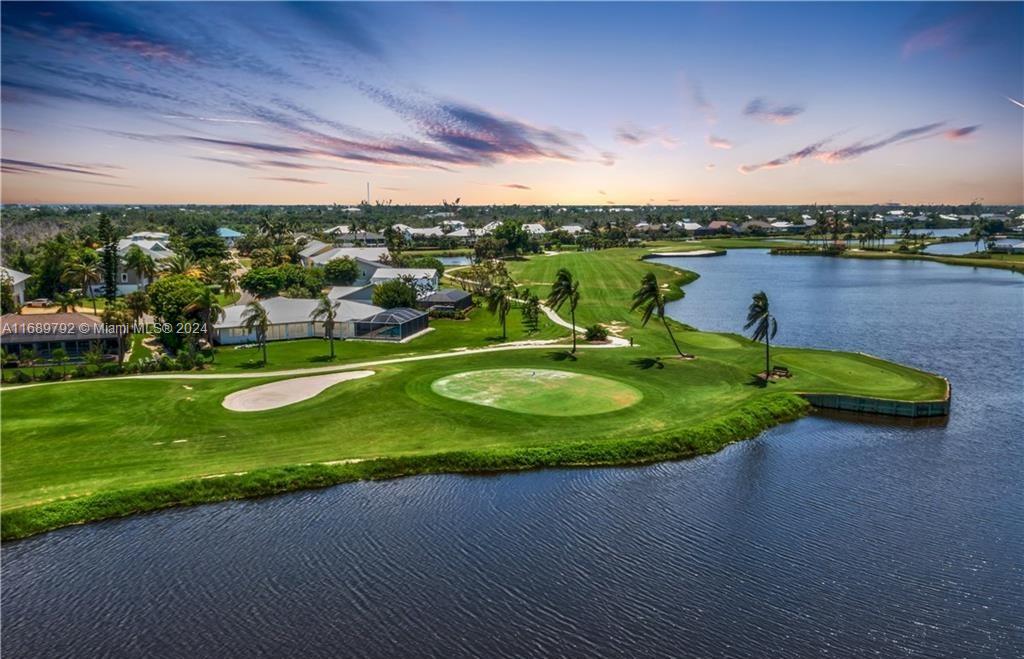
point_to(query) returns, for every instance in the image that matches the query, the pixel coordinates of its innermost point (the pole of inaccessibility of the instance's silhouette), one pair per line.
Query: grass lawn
(139, 351)
(99, 448)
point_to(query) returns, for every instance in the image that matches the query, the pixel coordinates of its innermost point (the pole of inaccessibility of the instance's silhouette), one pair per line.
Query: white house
(369, 259)
(128, 280)
(534, 229)
(311, 249)
(149, 235)
(421, 278)
(490, 227)
(290, 319)
(341, 228)
(686, 225)
(18, 280)
(573, 229)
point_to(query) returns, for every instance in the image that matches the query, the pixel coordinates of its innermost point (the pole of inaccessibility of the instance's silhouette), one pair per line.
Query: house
(751, 226)
(687, 225)
(782, 226)
(340, 229)
(534, 229)
(392, 325)
(369, 259)
(421, 278)
(311, 249)
(17, 280)
(642, 226)
(452, 224)
(464, 233)
(573, 229)
(290, 319)
(362, 293)
(74, 332)
(366, 238)
(159, 236)
(449, 299)
(229, 236)
(490, 227)
(128, 280)
(428, 232)
(717, 226)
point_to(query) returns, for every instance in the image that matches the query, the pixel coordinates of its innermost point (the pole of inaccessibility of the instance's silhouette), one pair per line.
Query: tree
(60, 355)
(208, 308)
(531, 312)
(83, 272)
(394, 293)
(118, 315)
(67, 301)
(261, 282)
(142, 263)
(765, 327)
(341, 272)
(651, 300)
(487, 247)
(565, 289)
(181, 264)
(499, 301)
(395, 240)
(7, 301)
(169, 296)
(327, 311)
(110, 258)
(255, 319)
(94, 355)
(29, 356)
(138, 304)
(516, 239)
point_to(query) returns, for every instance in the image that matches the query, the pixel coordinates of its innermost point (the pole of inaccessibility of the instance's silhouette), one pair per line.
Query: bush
(51, 374)
(394, 293)
(185, 361)
(341, 272)
(596, 333)
(111, 369)
(81, 371)
(21, 377)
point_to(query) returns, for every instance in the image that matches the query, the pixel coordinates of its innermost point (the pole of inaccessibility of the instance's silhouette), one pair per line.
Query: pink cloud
(956, 134)
(719, 142)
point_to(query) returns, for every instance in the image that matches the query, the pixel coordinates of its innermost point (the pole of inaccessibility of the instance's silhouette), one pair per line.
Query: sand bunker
(286, 392)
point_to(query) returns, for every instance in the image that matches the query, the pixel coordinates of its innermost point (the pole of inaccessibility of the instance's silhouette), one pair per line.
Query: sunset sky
(513, 103)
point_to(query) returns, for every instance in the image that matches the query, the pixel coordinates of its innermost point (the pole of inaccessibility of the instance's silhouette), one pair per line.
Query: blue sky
(513, 103)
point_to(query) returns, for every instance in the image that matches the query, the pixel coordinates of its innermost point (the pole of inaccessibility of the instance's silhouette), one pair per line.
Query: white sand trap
(696, 252)
(286, 392)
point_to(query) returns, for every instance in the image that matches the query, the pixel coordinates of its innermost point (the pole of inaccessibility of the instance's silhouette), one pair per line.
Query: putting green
(544, 392)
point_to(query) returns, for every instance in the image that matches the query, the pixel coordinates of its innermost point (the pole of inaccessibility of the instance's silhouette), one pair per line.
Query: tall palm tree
(760, 318)
(499, 301)
(327, 310)
(142, 263)
(651, 300)
(208, 307)
(255, 319)
(84, 271)
(565, 289)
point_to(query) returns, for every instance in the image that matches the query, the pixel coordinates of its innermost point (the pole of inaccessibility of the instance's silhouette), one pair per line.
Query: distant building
(229, 236)
(573, 229)
(18, 280)
(421, 278)
(290, 319)
(534, 229)
(128, 280)
(392, 325)
(369, 259)
(74, 332)
(449, 299)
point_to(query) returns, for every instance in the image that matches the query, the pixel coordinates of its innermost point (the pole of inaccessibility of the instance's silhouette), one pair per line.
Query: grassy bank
(1014, 262)
(708, 437)
(102, 448)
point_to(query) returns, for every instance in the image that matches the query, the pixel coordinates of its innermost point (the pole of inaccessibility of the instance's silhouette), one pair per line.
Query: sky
(505, 103)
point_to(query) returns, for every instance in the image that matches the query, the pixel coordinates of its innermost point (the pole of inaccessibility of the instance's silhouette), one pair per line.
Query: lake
(820, 536)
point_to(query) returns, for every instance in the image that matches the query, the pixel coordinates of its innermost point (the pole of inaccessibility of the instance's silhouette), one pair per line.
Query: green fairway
(97, 448)
(544, 392)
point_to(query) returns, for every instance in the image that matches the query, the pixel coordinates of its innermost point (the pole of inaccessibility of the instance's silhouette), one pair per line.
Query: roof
(359, 235)
(341, 228)
(16, 276)
(312, 248)
(394, 316)
(689, 226)
(58, 326)
(282, 310)
(368, 254)
(429, 231)
(156, 249)
(149, 235)
(719, 224)
(573, 228)
(446, 295)
(225, 232)
(339, 292)
(399, 273)
(534, 228)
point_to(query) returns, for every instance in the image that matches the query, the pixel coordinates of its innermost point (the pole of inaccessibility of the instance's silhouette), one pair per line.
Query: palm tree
(118, 315)
(84, 271)
(30, 357)
(181, 264)
(565, 289)
(651, 300)
(209, 309)
(138, 303)
(499, 301)
(760, 318)
(60, 355)
(67, 301)
(255, 319)
(327, 310)
(142, 263)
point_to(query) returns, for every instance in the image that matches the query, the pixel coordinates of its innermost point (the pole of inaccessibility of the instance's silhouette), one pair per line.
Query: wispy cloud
(12, 166)
(632, 135)
(710, 166)
(961, 133)
(719, 142)
(695, 91)
(290, 179)
(517, 186)
(792, 157)
(860, 148)
(1015, 102)
(763, 110)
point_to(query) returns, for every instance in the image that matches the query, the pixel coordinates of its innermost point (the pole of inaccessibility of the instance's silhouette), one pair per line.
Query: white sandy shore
(286, 392)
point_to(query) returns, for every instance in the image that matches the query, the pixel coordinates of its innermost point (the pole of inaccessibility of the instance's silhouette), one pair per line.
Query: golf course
(457, 400)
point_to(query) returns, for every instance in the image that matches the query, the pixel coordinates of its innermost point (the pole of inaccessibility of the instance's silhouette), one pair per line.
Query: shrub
(81, 371)
(341, 272)
(394, 293)
(51, 374)
(596, 333)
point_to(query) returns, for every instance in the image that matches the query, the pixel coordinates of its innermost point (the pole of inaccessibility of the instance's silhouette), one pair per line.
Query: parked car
(40, 302)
